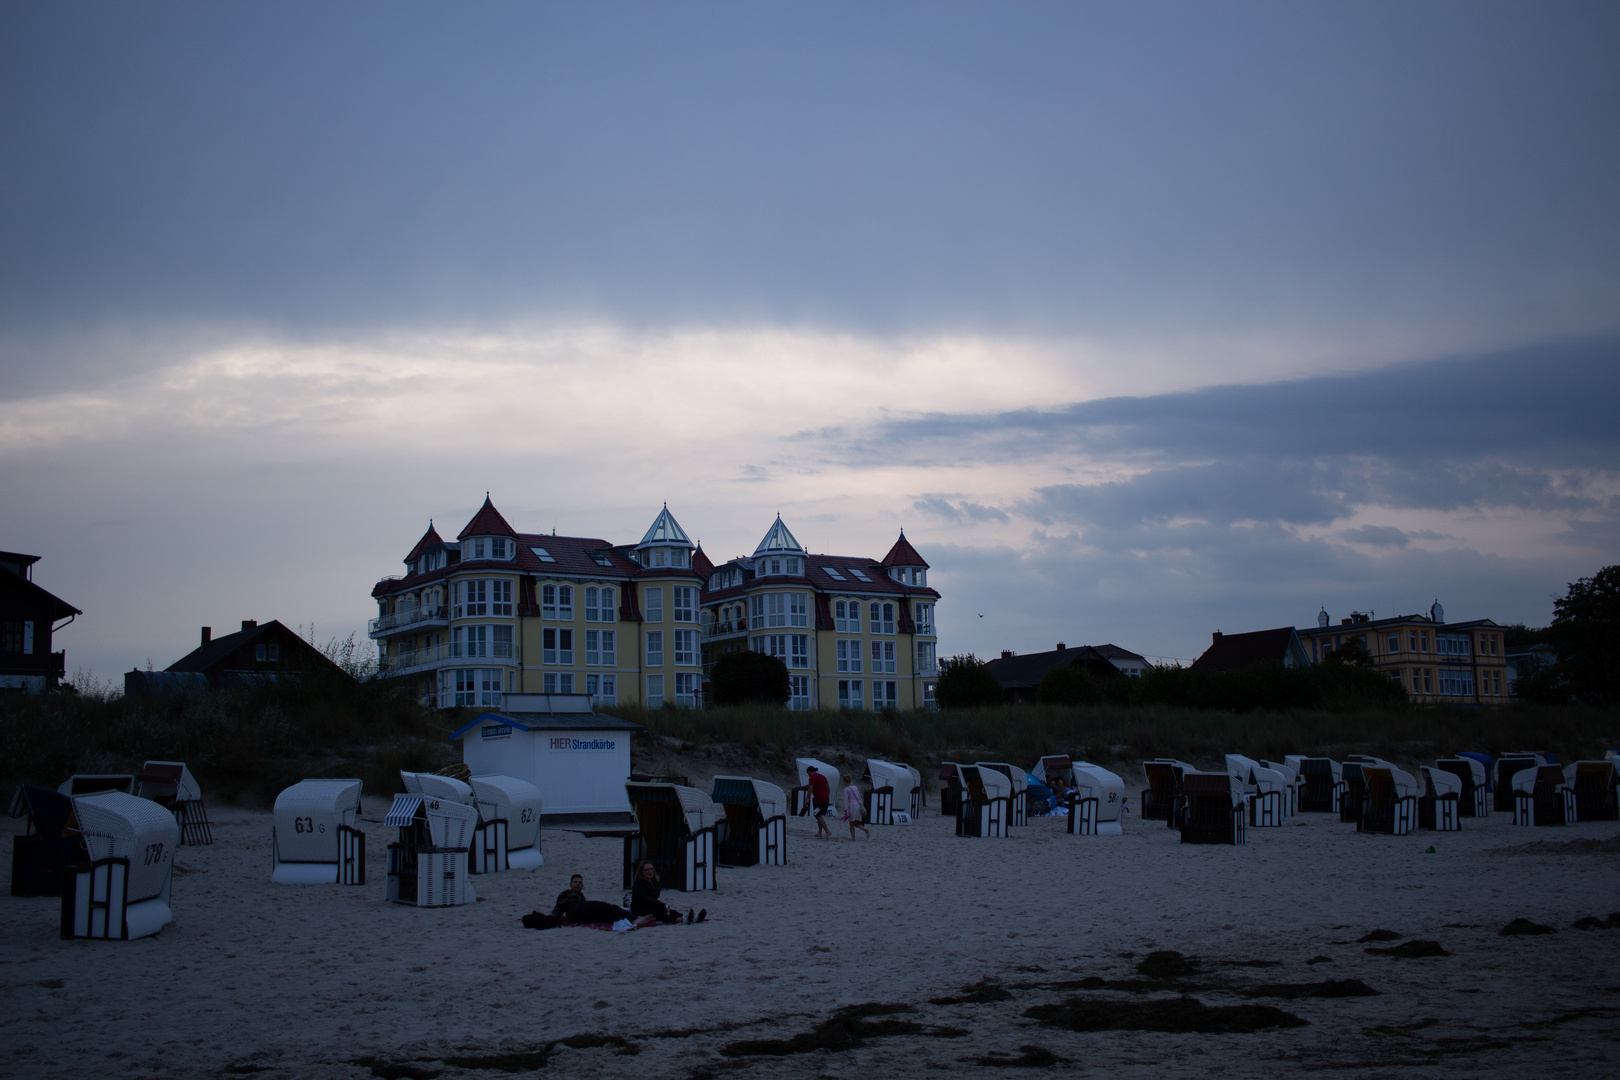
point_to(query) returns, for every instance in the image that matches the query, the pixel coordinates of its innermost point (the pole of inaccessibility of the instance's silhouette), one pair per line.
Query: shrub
(740, 677)
(966, 682)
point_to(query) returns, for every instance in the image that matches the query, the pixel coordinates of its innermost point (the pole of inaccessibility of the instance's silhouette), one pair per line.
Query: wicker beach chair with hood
(430, 865)
(800, 805)
(1474, 798)
(1321, 784)
(508, 834)
(314, 839)
(119, 887)
(1159, 798)
(42, 857)
(1096, 800)
(1542, 796)
(1439, 799)
(753, 831)
(1507, 767)
(1265, 787)
(677, 830)
(1390, 804)
(1215, 809)
(1595, 786)
(170, 784)
(1018, 802)
(986, 795)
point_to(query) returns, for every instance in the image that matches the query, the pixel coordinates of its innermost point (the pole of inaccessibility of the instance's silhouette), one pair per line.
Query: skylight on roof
(542, 554)
(600, 559)
(835, 575)
(858, 575)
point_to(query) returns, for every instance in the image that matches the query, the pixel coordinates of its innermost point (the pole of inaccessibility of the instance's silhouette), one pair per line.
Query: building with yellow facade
(854, 632)
(1436, 662)
(496, 611)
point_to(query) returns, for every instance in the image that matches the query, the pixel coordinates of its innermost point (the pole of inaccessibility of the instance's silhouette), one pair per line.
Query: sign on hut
(576, 757)
(754, 829)
(314, 840)
(119, 886)
(676, 830)
(170, 784)
(428, 864)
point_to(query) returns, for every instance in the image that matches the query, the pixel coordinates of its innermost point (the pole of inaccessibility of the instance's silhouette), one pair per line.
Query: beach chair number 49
(305, 825)
(154, 854)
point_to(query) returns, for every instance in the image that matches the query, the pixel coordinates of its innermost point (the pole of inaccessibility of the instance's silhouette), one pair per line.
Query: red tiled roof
(487, 522)
(903, 554)
(1230, 652)
(429, 538)
(701, 563)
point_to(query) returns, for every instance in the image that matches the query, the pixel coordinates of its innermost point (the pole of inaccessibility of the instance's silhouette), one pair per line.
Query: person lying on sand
(644, 902)
(572, 907)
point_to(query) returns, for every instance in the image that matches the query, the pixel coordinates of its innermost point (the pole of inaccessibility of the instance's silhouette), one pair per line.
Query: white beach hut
(1017, 804)
(123, 891)
(801, 794)
(1439, 799)
(577, 757)
(893, 787)
(1099, 799)
(677, 831)
(314, 839)
(508, 835)
(170, 784)
(428, 865)
(986, 802)
(753, 831)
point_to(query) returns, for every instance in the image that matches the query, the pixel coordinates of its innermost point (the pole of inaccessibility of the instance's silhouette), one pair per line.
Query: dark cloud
(1377, 536)
(962, 510)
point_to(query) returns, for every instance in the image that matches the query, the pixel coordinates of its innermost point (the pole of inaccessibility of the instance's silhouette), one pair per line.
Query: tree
(1067, 684)
(1586, 632)
(740, 677)
(966, 682)
(1353, 652)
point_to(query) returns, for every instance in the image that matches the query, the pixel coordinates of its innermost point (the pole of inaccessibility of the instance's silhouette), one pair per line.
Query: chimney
(1216, 636)
(1006, 654)
(248, 624)
(207, 634)
(1061, 646)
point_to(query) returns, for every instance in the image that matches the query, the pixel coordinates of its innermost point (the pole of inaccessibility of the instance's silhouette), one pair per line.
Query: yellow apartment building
(854, 632)
(496, 611)
(1436, 662)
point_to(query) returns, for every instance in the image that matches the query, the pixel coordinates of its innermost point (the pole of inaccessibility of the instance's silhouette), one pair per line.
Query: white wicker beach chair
(677, 831)
(122, 888)
(1596, 785)
(1474, 780)
(170, 784)
(508, 834)
(985, 798)
(1541, 796)
(800, 805)
(1440, 799)
(1018, 801)
(753, 828)
(891, 788)
(1098, 799)
(428, 865)
(314, 839)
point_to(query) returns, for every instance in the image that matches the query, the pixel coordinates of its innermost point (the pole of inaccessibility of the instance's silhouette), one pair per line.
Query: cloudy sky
(1143, 320)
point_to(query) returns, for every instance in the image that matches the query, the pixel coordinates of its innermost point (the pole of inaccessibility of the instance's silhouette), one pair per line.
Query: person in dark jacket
(644, 900)
(572, 907)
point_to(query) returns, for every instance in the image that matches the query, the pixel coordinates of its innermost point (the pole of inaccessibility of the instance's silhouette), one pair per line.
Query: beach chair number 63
(154, 854)
(305, 825)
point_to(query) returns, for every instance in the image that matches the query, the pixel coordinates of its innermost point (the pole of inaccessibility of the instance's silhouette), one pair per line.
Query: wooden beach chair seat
(1594, 784)
(314, 834)
(429, 864)
(1541, 796)
(986, 795)
(1017, 802)
(1440, 799)
(1322, 785)
(508, 832)
(1508, 766)
(1473, 798)
(676, 829)
(754, 829)
(119, 886)
(42, 857)
(1096, 800)
(1164, 788)
(1215, 809)
(1390, 803)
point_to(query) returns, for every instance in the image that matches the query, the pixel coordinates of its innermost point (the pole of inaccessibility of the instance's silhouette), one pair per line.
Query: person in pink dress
(854, 809)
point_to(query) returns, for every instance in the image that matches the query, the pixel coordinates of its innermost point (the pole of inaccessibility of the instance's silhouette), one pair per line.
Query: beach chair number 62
(154, 854)
(527, 815)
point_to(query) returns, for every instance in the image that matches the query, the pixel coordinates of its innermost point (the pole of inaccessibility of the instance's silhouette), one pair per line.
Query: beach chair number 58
(1112, 795)
(154, 854)
(305, 825)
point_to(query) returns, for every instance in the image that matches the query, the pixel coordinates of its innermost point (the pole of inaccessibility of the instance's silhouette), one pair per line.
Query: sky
(1143, 320)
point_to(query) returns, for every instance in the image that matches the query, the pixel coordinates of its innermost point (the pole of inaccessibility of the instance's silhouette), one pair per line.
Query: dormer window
(542, 554)
(858, 575)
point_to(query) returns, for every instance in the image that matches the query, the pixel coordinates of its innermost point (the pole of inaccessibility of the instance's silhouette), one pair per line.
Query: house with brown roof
(1231, 652)
(28, 618)
(1020, 675)
(257, 651)
(498, 612)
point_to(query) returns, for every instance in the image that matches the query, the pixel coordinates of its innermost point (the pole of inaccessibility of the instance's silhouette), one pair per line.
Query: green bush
(966, 682)
(744, 676)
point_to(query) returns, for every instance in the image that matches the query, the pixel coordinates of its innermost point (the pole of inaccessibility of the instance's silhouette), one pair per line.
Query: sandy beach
(1032, 936)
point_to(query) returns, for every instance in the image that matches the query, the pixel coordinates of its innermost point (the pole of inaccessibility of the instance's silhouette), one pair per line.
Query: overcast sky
(1144, 320)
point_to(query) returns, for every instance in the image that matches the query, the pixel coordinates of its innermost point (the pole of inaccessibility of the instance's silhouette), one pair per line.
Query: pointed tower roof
(429, 538)
(665, 531)
(903, 554)
(487, 522)
(701, 562)
(779, 541)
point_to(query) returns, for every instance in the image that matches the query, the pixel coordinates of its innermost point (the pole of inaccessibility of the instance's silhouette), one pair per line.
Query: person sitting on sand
(572, 907)
(821, 796)
(644, 902)
(854, 810)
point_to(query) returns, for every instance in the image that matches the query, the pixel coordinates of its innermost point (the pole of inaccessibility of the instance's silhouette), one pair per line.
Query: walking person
(854, 808)
(820, 798)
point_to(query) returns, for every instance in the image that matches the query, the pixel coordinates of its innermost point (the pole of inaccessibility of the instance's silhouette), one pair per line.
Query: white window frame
(548, 601)
(686, 649)
(655, 691)
(686, 689)
(798, 692)
(849, 654)
(655, 648)
(684, 602)
(799, 651)
(883, 662)
(655, 603)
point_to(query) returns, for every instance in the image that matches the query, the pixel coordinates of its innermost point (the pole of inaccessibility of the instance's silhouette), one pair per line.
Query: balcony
(428, 615)
(446, 653)
(928, 669)
(720, 631)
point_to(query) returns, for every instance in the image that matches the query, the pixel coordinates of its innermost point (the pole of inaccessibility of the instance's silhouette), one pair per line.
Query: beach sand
(323, 981)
